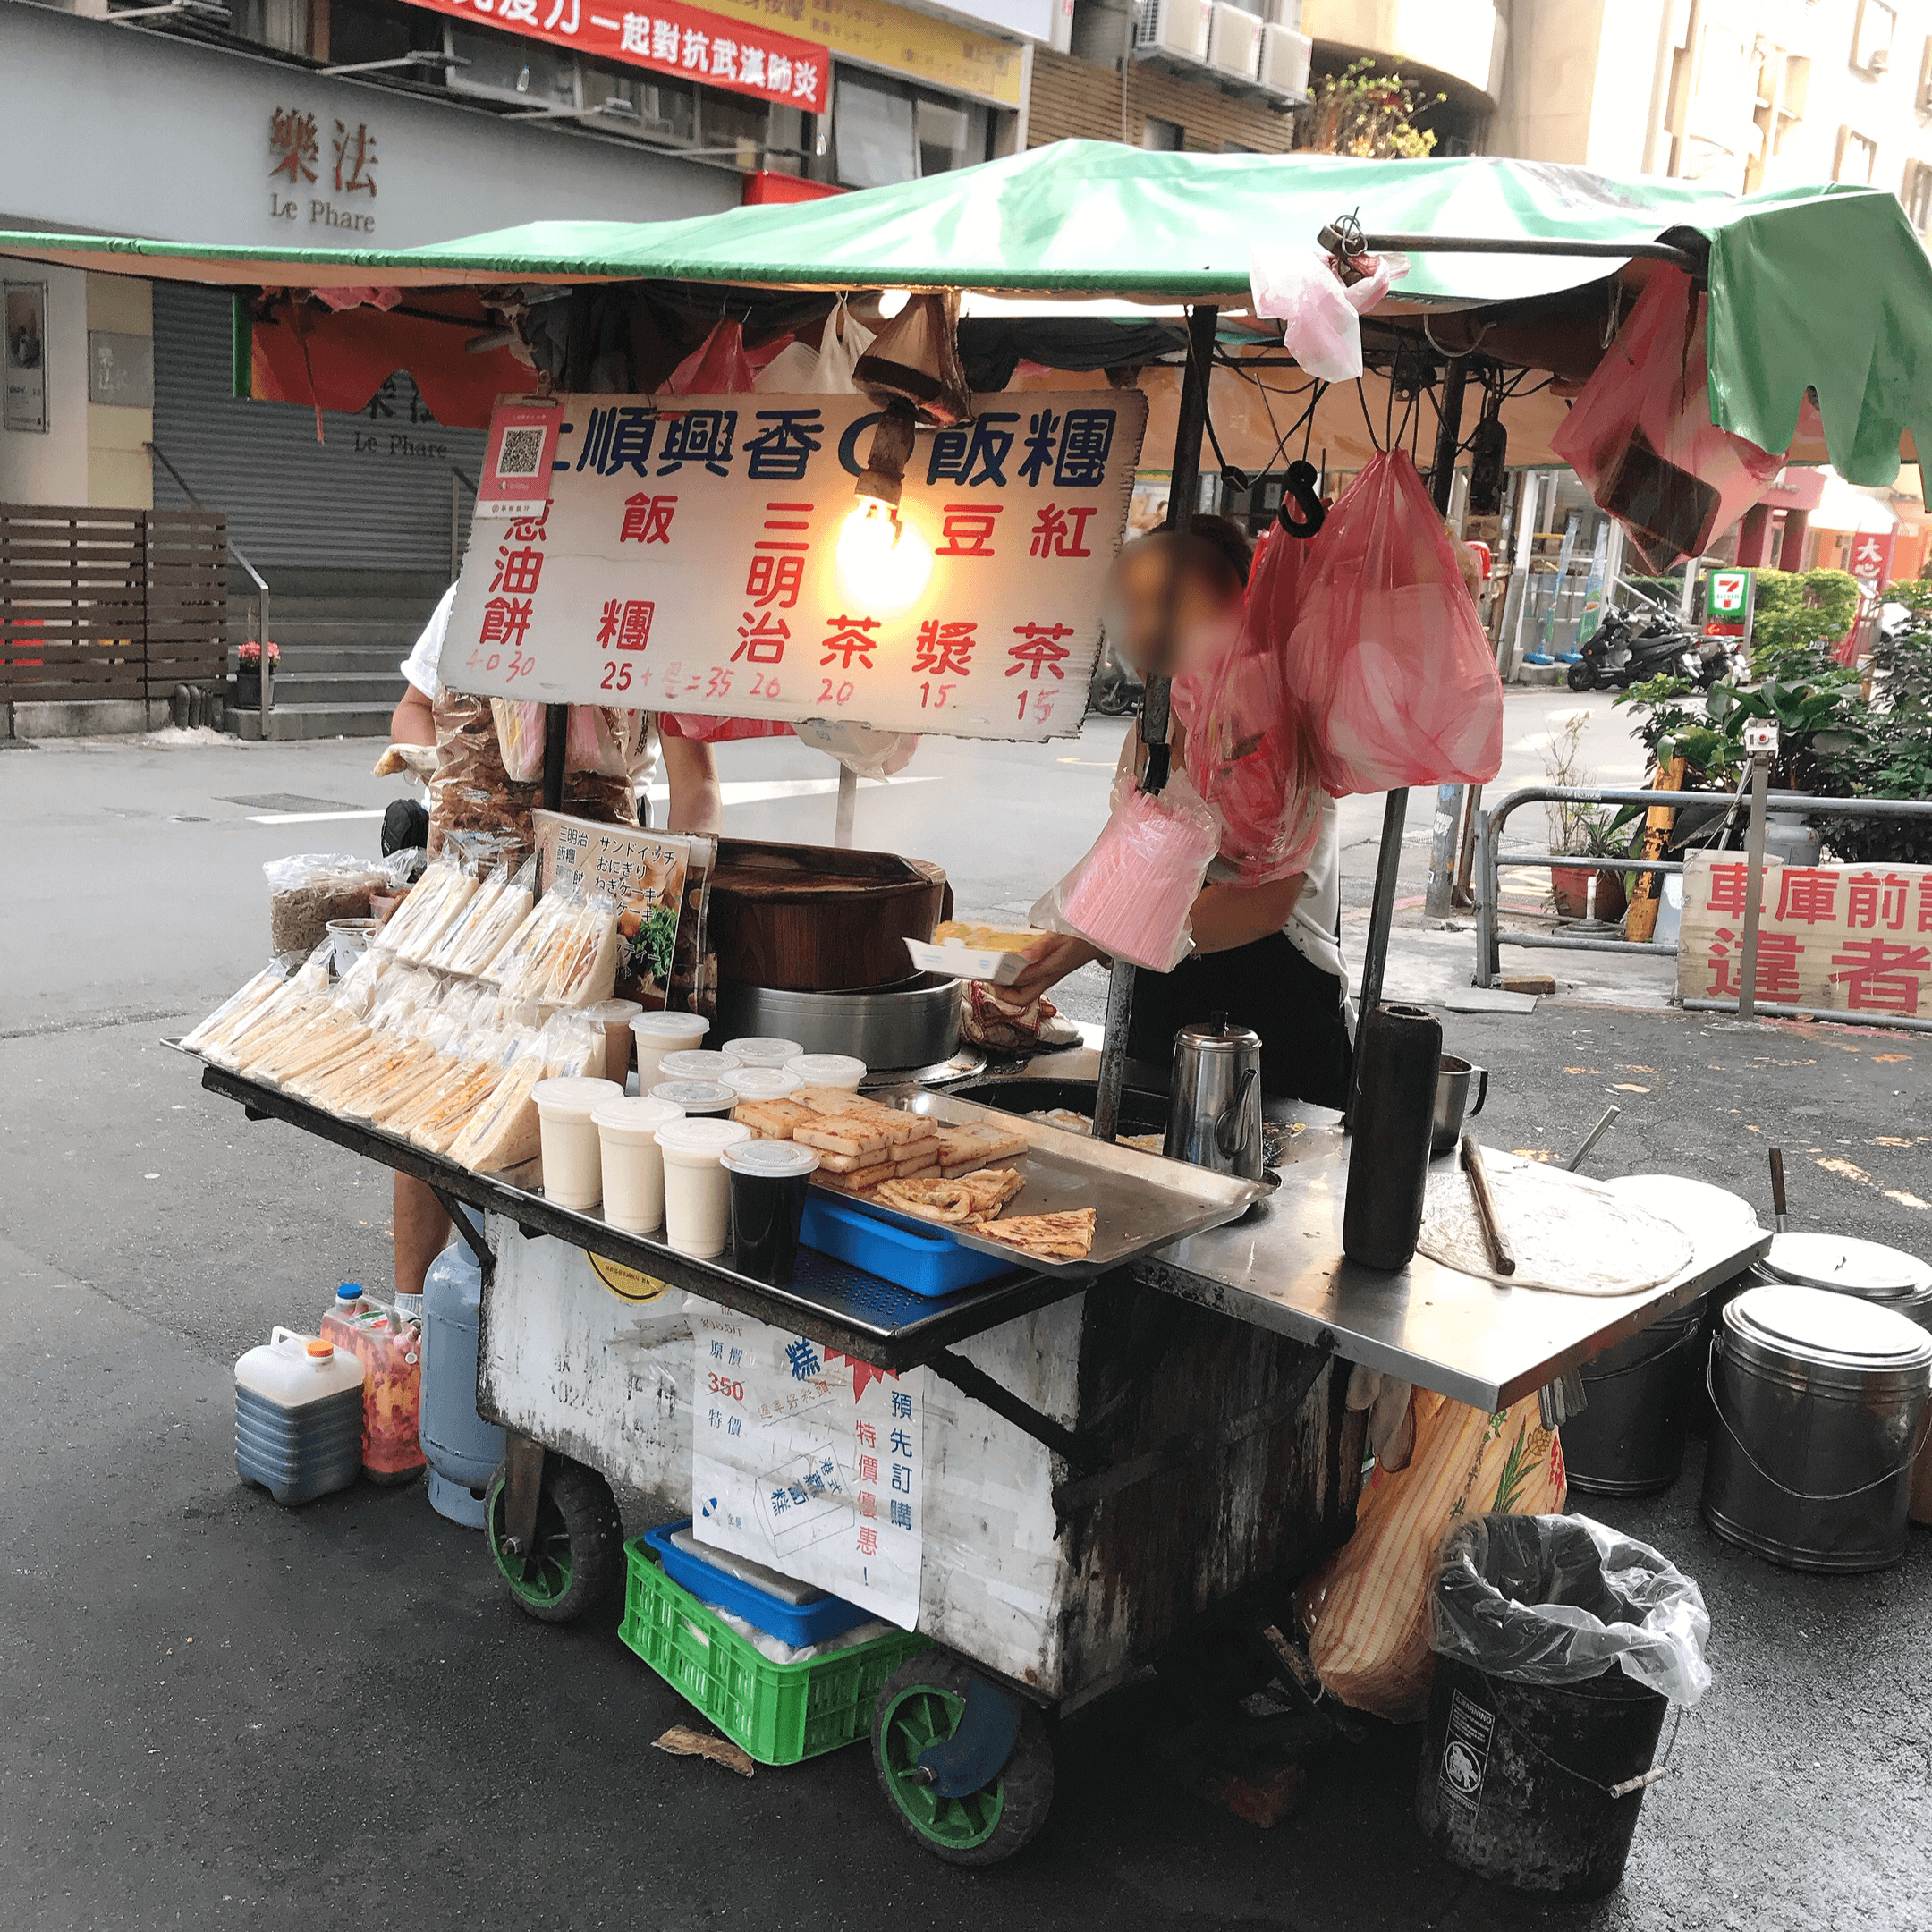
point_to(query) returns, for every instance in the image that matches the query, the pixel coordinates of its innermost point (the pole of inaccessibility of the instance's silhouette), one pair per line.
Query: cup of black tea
(768, 1184)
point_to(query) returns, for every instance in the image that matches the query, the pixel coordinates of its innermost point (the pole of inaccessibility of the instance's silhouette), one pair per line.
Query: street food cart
(1112, 1450)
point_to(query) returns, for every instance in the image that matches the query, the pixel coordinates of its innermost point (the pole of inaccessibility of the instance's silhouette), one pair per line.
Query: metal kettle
(1214, 1101)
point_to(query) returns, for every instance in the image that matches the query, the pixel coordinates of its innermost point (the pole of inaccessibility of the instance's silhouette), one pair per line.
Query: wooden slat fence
(110, 603)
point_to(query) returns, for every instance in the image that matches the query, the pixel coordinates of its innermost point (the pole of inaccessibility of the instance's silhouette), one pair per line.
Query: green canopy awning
(1826, 288)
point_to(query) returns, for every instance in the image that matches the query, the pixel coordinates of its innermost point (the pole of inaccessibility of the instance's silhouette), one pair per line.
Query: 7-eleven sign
(1727, 603)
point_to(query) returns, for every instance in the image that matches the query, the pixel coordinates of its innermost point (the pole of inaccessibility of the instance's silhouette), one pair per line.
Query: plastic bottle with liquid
(298, 1416)
(390, 1350)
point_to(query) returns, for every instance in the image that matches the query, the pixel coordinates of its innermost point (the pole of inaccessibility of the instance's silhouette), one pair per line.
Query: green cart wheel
(578, 1556)
(920, 1703)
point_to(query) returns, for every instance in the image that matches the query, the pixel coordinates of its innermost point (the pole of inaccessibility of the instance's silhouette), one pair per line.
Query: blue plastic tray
(924, 1264)
(797, 1624)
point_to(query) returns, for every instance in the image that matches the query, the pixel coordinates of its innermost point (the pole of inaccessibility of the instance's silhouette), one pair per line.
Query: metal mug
(1452, 1102)
(1213, 1116)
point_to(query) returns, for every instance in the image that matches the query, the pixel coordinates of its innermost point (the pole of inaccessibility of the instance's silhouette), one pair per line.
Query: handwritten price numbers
(827, 695)
(616, 676)
(763, 686)
(1041, 704)
(520, 663)
(934, 696)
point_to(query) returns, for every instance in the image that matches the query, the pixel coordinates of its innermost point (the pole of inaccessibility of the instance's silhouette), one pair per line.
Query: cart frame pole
(1184, 486)
(1450, 799)
(555, 738)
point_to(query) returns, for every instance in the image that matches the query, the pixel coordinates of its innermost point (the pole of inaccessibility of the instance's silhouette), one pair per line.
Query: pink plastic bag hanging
(1387, 660)
(1245, 750)
(1131, 894)
(1640, 434)
(595, 743)
(716, 367)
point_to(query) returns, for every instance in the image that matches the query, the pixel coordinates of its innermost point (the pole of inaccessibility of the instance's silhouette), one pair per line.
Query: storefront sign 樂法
(709, 554)
(322, 172)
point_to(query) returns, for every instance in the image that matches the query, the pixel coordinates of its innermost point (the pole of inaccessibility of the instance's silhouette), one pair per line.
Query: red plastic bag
(1386, 660)
(716, 367)
(1640, 434)
(1244, 740)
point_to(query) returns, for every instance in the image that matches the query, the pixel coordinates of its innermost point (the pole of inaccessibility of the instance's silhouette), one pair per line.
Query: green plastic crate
(780, 1712)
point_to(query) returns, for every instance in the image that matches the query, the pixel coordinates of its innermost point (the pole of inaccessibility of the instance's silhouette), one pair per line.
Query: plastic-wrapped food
(435, 1126)
(238, 1006)
(586, 969)
(524, 963)
(306, 890)
(444, 889)
(1559, 1599)
(1132, 894)
(305, 992)
(357, 989)
(489, 922)
(489, 891)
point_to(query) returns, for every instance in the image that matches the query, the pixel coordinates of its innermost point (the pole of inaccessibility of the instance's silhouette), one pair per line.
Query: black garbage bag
(1556, 1599)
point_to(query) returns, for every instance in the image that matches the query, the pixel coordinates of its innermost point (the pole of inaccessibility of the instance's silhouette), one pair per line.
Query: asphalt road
(213, 1711)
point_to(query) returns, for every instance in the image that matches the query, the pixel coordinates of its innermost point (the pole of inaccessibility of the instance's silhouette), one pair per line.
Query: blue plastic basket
(797, 1624)
(924, 1264)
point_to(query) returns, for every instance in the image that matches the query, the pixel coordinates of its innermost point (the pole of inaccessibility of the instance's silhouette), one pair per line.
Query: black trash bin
(1543, 1728)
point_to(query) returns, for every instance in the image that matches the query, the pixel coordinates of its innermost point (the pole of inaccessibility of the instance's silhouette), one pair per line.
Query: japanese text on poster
(711, 556)
(1845, 938)
(809, 1462)
(645, 873)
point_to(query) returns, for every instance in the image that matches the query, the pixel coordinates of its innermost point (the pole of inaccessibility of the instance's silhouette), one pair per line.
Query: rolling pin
(1486, 1206)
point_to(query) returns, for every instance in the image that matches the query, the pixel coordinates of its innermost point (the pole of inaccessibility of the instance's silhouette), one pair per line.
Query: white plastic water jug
(298, 1416)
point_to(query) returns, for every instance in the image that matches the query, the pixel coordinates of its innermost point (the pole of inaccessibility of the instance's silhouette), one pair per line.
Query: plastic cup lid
(694, 1096)
(826, 1069)
(611, 1010)
(637, 1110)
(702, 1136)
(698, 1063)
(762, 1082)
(574, 1095)
(777, 1160)
(670, 1025)
(756, 1051)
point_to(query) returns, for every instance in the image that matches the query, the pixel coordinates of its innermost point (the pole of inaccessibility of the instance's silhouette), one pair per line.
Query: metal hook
(1299, 485)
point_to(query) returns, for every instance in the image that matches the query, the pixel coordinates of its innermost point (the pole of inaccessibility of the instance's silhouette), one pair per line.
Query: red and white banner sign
(709, 554)
(1845, 938)
(667, 38)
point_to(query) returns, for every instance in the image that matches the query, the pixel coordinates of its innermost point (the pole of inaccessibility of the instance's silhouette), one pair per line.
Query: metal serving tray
(1141, 1201)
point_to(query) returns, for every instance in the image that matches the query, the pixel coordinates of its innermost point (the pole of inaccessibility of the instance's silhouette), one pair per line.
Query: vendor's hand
(1049, 961)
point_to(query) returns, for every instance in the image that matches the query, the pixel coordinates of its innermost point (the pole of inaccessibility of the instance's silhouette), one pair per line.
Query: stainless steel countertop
(1280, 1267)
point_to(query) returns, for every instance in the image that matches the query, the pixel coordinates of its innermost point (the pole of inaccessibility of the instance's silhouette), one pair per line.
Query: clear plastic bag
(1396, 680)
(308, 890)
(1132, 894)
(595, 742)
(1557, 1599)
(1319, 314)
(1244, 739)
(1641, 438)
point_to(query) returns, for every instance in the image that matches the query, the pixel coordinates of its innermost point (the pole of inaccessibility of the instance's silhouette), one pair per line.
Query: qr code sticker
(520, 454)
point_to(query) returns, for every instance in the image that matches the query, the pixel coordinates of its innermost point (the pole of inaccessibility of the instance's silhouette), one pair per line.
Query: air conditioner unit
(1282, 13)
(1234, 41)
(1178, 27)
(1285, 60)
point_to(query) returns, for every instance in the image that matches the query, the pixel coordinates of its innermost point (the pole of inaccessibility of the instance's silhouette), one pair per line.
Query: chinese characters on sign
(668, 37)
(810, 1461)
(295, 163)
(696, 558)
(1842, 939)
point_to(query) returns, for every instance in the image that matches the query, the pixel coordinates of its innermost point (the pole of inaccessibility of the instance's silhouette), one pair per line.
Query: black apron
(1269, 985)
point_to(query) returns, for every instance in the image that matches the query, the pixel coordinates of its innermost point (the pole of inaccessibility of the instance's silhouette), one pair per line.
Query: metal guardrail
(1490, 937)
(267, 679)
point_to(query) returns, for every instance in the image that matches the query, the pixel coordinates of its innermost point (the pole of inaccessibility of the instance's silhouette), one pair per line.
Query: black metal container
(1630, 1438)
(1398, 1056)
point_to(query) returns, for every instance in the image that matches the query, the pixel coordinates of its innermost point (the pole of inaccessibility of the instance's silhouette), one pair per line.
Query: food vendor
(472, 790)
(1268, 956)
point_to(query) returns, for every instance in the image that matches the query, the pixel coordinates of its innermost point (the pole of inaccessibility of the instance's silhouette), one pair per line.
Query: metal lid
(1867, 1270)
(1790, 1323)
(1214, 1035)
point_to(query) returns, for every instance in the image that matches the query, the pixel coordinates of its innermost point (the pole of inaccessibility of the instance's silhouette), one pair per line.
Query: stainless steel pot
(1452, 1102)
(1630, 1438)
(913, 1024)
(1821, 1403)
(1214, 1110)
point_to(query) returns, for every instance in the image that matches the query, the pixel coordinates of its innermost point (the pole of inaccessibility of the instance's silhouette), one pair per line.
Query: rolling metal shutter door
(292, 501)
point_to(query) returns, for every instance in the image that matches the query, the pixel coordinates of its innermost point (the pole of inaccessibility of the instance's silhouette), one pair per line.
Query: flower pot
(1612, 901)
(248, 690)
(1570, 887)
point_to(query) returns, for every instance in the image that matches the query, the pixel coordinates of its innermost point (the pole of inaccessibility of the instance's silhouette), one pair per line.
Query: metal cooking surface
(1139, 1200)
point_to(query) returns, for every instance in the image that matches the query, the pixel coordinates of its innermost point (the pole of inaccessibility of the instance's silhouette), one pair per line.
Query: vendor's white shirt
(421, 668)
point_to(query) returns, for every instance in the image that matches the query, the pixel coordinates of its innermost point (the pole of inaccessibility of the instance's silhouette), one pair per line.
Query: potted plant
(1582, 831)
(248, 673)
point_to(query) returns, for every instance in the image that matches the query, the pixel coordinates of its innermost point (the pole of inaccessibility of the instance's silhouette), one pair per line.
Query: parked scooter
(1113, 691)
(1625, 651)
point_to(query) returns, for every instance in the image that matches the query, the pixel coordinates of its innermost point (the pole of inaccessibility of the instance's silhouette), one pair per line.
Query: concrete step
(302, 686)
(287, 722)
(392, 635)
(367, 660)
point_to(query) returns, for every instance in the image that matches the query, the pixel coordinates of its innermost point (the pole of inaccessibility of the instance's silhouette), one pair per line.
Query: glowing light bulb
(882, 558)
